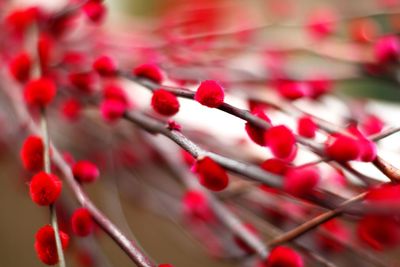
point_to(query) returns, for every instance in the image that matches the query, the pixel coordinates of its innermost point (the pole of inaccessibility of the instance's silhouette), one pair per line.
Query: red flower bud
(387, 49)
(45, 51)
(292, 90)
(342, 148)
(20, 67)
(82, 81)
(306, 127)
(368, 150)
(338, 230)
(372, 124)
(196, 207)
(32, 154)
(283, 256)
(149, 71)
(45, 188)
(112, 110)
(379, 232)
(40, 92)
(255, 133)
(211, 175)
(210, 94)
(187, 158)
(300, 182)
(114, 91)
(20, 19)
(94, 10)
(85, 171)
(281, 141)
(105, 66)
(81, 222)
(71, 109)
(275, 166)
(45, 244)
(384, 194)
(165, 265)
(164, 102)
(321, 23)
(319, 86)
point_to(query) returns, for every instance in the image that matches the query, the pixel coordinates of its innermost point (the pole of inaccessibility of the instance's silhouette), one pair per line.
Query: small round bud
(45, 244)
(210, 94)
(40, 92)
(81, 222)
(32, 153)
(211, 174)
(85, 171)
(165, 102)
(45, 188)
(149, 71)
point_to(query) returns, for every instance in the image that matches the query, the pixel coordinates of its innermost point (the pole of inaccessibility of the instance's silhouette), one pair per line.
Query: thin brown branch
(313, 223)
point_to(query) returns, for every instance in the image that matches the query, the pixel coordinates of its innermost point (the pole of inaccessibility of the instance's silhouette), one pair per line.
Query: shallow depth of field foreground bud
(193, 133)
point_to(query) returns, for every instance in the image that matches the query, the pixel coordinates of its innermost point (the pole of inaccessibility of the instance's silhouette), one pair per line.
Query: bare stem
(47, 169)
(313, 223)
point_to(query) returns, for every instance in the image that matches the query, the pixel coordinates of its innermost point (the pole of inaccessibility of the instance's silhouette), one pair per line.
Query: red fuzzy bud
(71, 109)
(165, 102)
(196, 206)
(292, 90)
(282, 256)
(342, 148)
(165, 265)
(338, 230)
(319, 86)
(82, 81)
(45, 188)
(85, 171)
(300, 182)
(368, 150)
(210, 94)
(45, 48)
(81, 222)
(94, 10)
(20, 19)
(275, 166)
(379, 232)
(105, 66)
(306, 127)
(20, 67)
(39, 92)
(255, 133)
(114, 91)
(387, 49)
(45, 244)
(187, 158)
(372, 124)
(211, 174)
(32, 153)
(384, 194)
(112, 110)
(321, 23)
(281, 141)
(149, 71)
